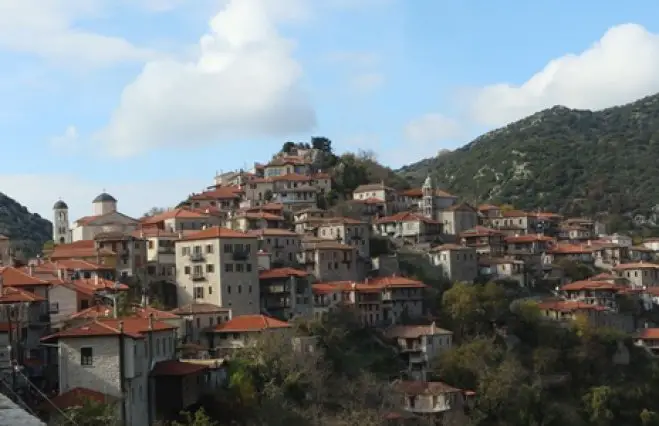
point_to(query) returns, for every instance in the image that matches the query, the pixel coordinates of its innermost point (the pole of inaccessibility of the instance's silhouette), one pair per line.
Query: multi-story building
(394, 202)
(223, 197)
(347, 231)
(180, 219)
(199, 318)
(131, 253)
(639, 274)
(457, 218)
(458, 263)
(434, 401)
(160, 253)
(307, 221)
(382, 300)
(409, 226)
(250, 220)
(219, 266)
(419, 345)
(329, 260)
(125, 358)
(286, 293)
(245, 330)
(282, 245)
(485, 240)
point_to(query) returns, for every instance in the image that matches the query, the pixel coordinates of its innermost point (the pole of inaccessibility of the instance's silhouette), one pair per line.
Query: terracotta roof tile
(480, 231)
(274, 232)
(591, 285)
(530, 238)
(249, 323)
(103, 311)
(406, 217)
(199, 308)
(16, 295)
(371, 286)
(571, 249)
(636, 265)
(219, 193)
(418, 387)
(569, 306)
(15, 277)
(133, 327)
(180, 213)
(282, 273)
(648, 333)
(216, 232)
(77, 397)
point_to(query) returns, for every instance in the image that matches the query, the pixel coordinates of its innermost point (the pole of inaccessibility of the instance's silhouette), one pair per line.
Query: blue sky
(120, 95)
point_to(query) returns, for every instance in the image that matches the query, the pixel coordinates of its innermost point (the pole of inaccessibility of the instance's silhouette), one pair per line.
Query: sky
(148, 99)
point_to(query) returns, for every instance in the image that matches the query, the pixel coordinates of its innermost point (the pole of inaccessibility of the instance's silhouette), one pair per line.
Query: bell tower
(427, 205)
(61, 232)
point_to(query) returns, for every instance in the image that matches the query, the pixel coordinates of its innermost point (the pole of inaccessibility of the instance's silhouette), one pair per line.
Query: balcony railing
(166, 250)
(196, 257)
(197, 276)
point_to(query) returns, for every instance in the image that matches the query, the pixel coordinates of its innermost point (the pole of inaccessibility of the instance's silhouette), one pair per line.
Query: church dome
(60, 205)
(104, 198)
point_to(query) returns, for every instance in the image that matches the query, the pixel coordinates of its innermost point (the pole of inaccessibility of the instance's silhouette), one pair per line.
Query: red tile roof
(530, 238)
(569, 306)
(371, 286)
(418, 193)
(103, 311)
(177, 368)
(636, 265)
(260, 215)
(216, 232)
(16, 295)
(570, 249)
(648, 333)
(406, 217)
(179, 213)
(219, 193)
(77, 397)
(591, 285)
(270, 207)
(78, 249)
(133, 327)
(282, 273)
(249, 323)
(15, 277)
(480, 231)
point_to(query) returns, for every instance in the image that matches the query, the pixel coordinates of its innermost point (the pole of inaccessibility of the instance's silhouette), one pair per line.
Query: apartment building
(328, 260)
(307, 220)
(639, 274)
(409, 226)
(458, 263)
(285, 293)
(22, 323)
(282, 245)
(251, 220)
(123, 358)
(198, 318)
(222, 197)
(457, 218)
(485, 240)
(180, 219)
(160, 253)
(347, 231)
(218, 266)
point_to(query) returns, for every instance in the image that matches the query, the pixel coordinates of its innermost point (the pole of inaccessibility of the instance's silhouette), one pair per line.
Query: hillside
(27, 230)
(571, 161)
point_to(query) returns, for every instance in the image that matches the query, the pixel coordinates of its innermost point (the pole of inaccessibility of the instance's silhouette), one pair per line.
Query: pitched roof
(180, 213)
(219, 193)
(529, 238)
(15, 277)
(480, 231)
(103, 311)
(636, 265)
(282, 273)
(77, 397)
(274, 232)
(78, 249)
(406, 217)
(375, 285)
(591, 285)
(449, 246)
(569, 306)
(199, 308)
(216, 232)
(249, 323)
(16, 295)
(418, 387)
(133, 327)
(418, 193)
(414, 331)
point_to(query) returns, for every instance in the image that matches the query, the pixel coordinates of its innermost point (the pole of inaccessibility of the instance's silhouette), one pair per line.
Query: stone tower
(61, 232)
(427, 205)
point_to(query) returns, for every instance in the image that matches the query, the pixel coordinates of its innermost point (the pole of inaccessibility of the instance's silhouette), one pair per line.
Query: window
(210, 267)
(210, 289)
(239, 267)
(186, 270)
(228, 267)
(150, 244)
(209, 248)
(240, 289)
(53, 308)
(248, 267)
(86, 356)
(249, 289)
(198, 292)
(84, 304)
(228, 248)
(185, 251)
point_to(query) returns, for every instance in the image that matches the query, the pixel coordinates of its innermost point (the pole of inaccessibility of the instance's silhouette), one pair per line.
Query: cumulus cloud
(621, 67)
(244, 83)
(47, 28)
(66, 142)
(134, 198)
(432, 128)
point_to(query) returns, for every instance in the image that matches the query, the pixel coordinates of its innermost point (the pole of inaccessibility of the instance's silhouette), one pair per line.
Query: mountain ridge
(561, 159)
(27, 231)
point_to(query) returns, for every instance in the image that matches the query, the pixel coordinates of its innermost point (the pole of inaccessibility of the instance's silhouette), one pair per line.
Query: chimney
(353, 285)
(30, 269)
(151, 321)
(433, 328)
(96, 279)
(121, 327)
(60, 275)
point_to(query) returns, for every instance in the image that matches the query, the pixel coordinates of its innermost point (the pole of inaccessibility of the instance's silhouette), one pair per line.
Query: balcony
(166, 250)
(196, 257)
(240, 255)
(197, 276)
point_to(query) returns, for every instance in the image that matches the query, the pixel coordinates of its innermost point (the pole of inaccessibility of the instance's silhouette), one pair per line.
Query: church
(104, 218)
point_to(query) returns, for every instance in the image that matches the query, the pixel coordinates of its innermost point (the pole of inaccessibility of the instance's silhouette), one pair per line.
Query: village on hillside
(147, 314)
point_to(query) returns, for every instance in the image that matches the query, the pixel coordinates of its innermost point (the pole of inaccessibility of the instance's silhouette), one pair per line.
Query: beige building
(198, 318)
(180, 219)
(499, 268)
(458, 263)
(249, 220)
(218, 266)
(394, 202)
(329, 260)
(433, 400)
(222, 197)
(307, 221)
(409, 226)
(639, 274)
(485, 240)
(347, 231)
(160, 253)
(105, 218)
(131, 253)
(419, 345)
(282, 244)
(245, 330)
(457, 218)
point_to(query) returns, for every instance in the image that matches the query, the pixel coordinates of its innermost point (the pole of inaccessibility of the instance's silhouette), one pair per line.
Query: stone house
(458, 263)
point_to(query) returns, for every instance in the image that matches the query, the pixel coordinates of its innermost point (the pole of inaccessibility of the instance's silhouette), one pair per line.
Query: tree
(288, 147)
(599, 405)
(199, 418)
(90, 413)
(322, 143)
(154, 211)
(267, 196)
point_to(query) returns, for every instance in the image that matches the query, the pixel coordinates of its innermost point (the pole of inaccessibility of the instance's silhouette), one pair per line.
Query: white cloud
(367, 82)
(66, 142)
(621, 67)
(39, 192)
(359, 59)
(432, 128)
(245, 83)
(47, 28)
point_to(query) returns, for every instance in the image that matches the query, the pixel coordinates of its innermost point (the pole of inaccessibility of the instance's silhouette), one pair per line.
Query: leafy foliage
(571, 161)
